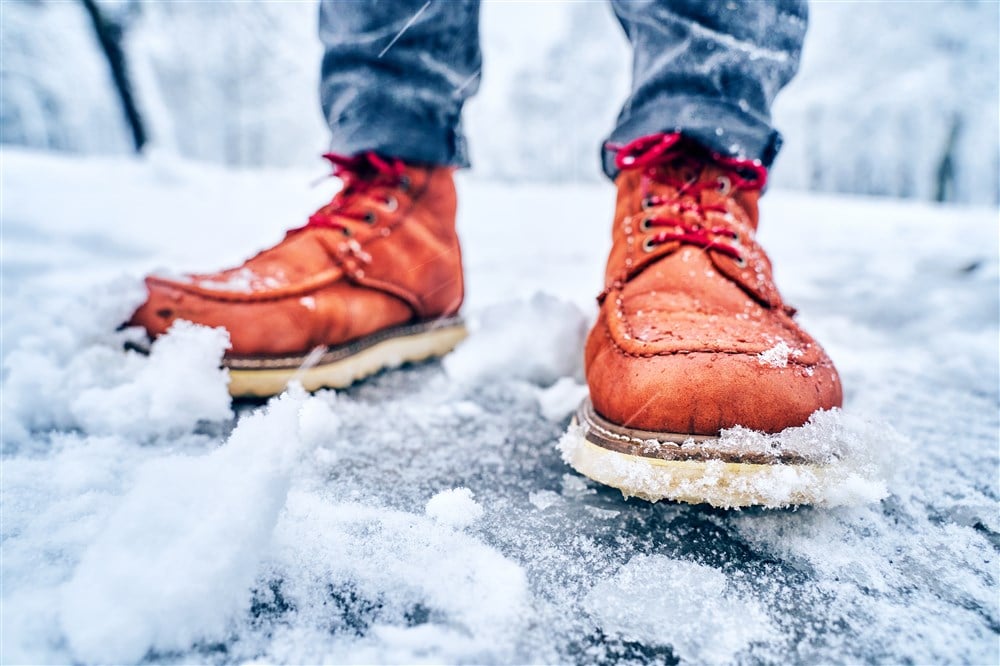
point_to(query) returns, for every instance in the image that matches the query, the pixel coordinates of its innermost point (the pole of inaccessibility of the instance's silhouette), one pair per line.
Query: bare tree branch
(109, 36)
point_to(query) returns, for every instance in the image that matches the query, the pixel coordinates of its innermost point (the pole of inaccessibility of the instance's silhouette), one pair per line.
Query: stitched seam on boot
(729, 352)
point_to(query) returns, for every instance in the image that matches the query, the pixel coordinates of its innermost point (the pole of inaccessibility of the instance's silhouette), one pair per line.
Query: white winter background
(896, 98)
(426, 515)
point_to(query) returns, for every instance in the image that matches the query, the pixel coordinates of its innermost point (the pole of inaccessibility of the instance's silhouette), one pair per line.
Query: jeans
(396, 73)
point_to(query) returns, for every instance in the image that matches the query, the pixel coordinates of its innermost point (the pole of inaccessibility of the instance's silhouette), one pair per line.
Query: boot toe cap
(701, 393)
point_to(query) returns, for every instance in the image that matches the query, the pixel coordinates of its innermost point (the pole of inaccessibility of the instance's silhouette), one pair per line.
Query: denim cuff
(716, 124)
(391, 131)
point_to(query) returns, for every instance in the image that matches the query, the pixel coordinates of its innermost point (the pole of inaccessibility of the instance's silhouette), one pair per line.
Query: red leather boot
(373, 280)
(692, 335)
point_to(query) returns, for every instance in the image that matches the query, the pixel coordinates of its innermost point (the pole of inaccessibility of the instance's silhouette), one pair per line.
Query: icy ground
(425, 515)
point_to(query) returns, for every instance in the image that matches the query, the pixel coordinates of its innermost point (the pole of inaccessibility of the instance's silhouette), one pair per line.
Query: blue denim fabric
(396, 73)
(709, 69)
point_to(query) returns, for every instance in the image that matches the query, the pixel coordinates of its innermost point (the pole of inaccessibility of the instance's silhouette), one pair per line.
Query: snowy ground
(426, 515)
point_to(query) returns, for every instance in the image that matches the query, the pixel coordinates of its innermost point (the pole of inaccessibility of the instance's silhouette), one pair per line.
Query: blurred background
(893, 98)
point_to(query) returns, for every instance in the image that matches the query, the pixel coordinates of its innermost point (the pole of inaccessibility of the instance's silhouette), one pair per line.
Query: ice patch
(560, 399)
(778, 355)
(575, 487)
(538, 340)
(173, 565)
(543, 499)
(432, 593)
(456, 507)
(655, 600)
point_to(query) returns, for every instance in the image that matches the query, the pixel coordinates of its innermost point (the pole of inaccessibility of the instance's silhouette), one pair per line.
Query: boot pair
(692, 336)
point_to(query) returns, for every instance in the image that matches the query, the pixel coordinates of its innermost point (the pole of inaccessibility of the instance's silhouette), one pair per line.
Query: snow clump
(778, 355)
(172, 565)
(538, 341)
(456, 507)
(69, 371)
(560, 399)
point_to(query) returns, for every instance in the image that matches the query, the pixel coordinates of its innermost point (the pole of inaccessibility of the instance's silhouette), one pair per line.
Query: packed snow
(426, 515)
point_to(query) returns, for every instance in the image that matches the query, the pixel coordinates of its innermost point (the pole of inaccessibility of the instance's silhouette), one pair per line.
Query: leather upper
(387, 255)
(690, 339)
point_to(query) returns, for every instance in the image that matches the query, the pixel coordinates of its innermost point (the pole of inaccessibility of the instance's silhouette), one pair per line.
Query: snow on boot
(373, 280)
(693, 338)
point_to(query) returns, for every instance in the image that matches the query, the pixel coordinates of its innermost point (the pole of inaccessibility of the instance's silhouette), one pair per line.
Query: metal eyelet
(346, 231)
(644, 225)
(648, 245)
(647, 203)
(740, 261)
(736, 238)
(724, 185)
(370, 217)
(391, 204)
(404, 183)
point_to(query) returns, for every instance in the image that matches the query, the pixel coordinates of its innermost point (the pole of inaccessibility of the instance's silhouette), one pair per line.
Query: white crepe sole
(391, 352)
(715, 482)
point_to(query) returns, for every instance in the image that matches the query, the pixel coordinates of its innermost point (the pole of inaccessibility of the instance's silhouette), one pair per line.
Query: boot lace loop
(678, 163)
(360, 174)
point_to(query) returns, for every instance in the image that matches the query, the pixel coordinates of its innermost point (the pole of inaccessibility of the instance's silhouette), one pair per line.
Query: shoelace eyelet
(370, 217)
(648, 245)
(404, 183)
(391, 204)
(740, 261)
(644, 225)
(647, 203)
(725, 186)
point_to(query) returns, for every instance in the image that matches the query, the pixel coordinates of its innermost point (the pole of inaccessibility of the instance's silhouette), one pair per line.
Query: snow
(170, 565)
(655, 600)
(778, 355)
(155, 521)
(537, 340)
(79, 378)
(562, 398)
(243, 281)
(456, 507)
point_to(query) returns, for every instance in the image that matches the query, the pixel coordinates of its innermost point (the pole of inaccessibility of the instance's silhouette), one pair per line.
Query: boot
(692, 335)
(373, 280)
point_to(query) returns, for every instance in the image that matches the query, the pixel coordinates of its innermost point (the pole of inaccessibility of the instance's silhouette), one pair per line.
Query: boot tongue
(703, 196)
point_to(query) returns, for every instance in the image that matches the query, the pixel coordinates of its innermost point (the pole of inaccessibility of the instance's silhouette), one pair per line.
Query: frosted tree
(55, 85)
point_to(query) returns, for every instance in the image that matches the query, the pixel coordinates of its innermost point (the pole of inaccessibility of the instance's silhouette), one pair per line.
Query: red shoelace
(685, 161)
(360, 174)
